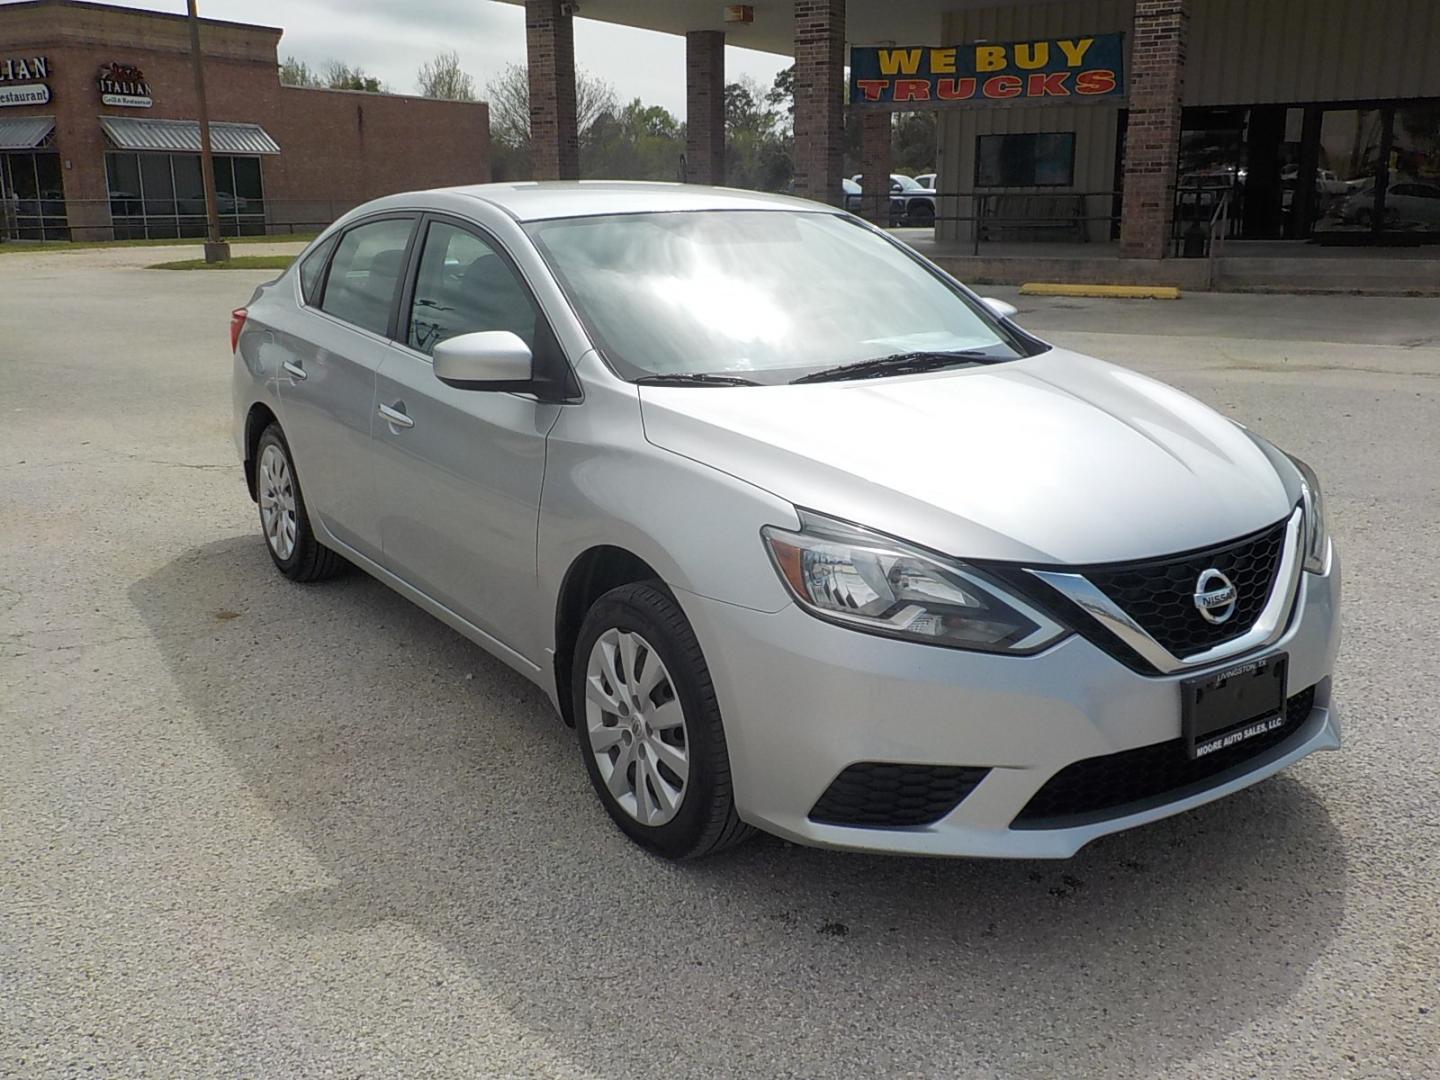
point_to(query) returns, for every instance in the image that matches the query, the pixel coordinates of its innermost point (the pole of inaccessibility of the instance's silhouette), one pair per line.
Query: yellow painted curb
(1126, 292)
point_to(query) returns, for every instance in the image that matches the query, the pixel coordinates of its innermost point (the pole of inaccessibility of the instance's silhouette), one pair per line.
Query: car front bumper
(803, 699)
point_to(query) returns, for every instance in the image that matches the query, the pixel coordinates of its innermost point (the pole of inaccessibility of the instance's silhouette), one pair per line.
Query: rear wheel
(283, 518)
(922, 215)
(649, 727)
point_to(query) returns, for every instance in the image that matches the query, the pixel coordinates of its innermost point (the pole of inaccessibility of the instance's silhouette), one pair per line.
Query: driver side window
(464, 286)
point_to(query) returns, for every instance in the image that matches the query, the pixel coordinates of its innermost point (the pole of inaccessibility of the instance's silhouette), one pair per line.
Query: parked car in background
(865, 567)
(916, 203)
(853, 195)
(926, 180)
(1408, 204)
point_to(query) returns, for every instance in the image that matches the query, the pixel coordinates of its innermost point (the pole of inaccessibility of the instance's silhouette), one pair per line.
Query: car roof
(537, 201)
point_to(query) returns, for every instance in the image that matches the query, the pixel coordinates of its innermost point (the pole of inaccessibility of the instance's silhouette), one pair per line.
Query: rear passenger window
(465, 286)
(365, 273)
(313, 269)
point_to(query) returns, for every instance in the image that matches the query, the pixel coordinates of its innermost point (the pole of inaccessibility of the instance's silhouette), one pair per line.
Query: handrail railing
(1219, 230)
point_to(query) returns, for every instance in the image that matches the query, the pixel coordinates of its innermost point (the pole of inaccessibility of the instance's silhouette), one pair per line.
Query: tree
(782, 92)
(913, 143)
(340, 76)
(508, 95)
(758, 148)
(298, 73)
(443, 77)
(637, 142)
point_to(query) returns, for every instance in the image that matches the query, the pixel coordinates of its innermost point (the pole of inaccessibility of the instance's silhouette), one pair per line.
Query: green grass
(29, 247)
(239, 262)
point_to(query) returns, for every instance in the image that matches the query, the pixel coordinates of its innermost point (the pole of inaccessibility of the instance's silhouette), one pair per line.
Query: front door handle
(395, 417)
(295, 369)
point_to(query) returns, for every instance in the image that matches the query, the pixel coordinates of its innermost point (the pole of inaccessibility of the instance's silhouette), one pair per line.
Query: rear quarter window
(312, 270)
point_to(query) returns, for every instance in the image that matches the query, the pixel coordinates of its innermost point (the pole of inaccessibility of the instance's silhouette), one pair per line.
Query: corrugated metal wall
(1240, 52)
(1248, 52)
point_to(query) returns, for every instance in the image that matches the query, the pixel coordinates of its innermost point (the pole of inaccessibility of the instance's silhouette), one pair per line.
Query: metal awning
(25, 132)
(142, 133)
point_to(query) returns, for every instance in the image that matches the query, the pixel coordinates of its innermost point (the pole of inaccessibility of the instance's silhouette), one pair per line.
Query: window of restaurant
(158, 196)
(32, 196)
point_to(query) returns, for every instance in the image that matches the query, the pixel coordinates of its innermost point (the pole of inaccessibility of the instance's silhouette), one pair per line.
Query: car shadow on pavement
(436, 788)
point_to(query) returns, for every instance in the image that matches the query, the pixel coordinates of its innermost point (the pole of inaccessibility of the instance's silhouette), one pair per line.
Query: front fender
(698, 527)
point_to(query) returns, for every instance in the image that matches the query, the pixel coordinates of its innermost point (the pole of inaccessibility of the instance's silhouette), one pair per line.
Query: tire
(284, 522)
(922, 215)
(645, 743)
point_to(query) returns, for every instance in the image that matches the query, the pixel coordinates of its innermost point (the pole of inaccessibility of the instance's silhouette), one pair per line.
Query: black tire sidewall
(304, 537)
(631, 608)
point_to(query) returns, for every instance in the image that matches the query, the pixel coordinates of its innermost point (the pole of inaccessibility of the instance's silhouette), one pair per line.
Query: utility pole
(216, 250)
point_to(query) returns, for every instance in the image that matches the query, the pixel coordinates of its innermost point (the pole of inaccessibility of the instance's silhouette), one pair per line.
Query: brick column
(875, 134)
(554, 134)
(705, 107)
(1152, 136)
(819, 98)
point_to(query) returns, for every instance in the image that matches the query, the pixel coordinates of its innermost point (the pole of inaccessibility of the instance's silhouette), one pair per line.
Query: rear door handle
(295, 369)
(395, 418)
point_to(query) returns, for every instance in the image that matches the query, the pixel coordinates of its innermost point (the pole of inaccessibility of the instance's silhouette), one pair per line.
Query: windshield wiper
(695, 379)
(905, 363)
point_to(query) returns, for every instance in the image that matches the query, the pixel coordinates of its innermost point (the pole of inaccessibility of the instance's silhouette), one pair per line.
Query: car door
(458, 472)
(327, 377)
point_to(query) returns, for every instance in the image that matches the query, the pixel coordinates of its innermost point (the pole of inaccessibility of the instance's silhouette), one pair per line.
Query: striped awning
(142, 133)
(24, 132)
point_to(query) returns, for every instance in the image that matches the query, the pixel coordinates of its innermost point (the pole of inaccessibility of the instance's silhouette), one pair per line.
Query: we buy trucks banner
(1073, 70)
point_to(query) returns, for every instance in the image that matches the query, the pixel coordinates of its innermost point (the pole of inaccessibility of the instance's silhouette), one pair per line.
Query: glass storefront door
(32, 196)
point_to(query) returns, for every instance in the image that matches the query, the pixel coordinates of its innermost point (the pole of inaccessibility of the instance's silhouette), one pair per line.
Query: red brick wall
(338, 148)
(705, 107)
(554, 132)
(1152, 136)
(819, 97)
(875, 154)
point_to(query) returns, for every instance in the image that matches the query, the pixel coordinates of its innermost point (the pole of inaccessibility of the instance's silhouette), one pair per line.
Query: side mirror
(999, 308)
(488, 360)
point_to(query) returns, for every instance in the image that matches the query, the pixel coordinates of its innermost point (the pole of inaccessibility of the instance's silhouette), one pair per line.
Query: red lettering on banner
(1052, 85)
(873, 89)
(955, 89)
(1003, 86)
(912, 90)
(1099, 81)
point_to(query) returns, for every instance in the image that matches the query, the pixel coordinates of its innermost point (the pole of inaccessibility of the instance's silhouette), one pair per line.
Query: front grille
(883, 795)
(1159, 594)
(1114, 785)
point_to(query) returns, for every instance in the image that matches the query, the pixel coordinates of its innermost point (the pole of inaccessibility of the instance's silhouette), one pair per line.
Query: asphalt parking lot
(252, 829)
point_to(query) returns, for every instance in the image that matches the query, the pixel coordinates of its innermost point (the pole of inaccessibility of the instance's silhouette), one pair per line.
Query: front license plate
(1232, 706)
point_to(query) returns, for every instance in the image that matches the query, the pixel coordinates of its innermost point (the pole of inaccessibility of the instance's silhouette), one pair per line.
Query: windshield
(768, 295)
(906, 183)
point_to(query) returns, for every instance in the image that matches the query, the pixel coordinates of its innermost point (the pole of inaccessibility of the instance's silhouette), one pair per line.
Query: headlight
(875, 583)
(1312, 531)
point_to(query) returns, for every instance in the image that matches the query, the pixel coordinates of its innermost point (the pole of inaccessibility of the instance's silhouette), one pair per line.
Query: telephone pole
(216, 250)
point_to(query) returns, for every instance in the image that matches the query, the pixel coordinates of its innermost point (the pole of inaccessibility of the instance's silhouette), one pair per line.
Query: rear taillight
(237, 323)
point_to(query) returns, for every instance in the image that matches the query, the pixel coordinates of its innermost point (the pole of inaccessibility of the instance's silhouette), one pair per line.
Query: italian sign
(1071, 69)
(28, 71)
(123, 85)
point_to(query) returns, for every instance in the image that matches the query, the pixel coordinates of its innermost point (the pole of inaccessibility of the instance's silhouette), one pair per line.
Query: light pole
(216, 250)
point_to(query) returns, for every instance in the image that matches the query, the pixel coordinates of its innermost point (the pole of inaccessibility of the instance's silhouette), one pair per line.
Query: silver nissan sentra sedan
(795, 530)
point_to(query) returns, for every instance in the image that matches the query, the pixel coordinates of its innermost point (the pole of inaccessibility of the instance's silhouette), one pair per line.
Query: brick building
(99, 137)
(1304, 118)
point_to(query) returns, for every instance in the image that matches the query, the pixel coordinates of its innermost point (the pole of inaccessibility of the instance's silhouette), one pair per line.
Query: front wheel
(922, 215)
(649, 727)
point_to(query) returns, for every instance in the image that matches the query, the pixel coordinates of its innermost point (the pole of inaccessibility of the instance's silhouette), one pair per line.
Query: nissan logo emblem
(1214, 596)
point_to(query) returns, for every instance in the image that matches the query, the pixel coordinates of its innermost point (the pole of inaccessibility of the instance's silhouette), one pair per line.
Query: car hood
(1056, 458)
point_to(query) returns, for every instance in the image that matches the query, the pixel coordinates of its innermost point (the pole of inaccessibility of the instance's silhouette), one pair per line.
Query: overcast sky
(392, 38)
